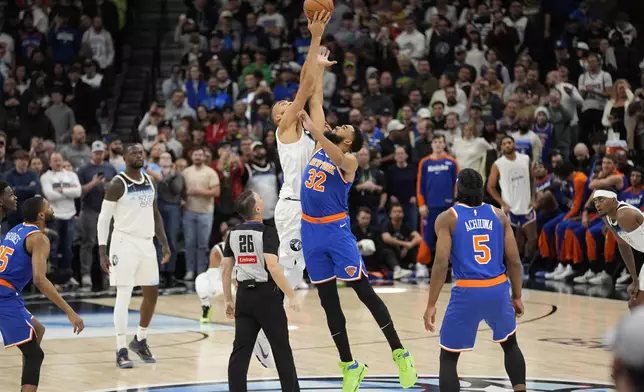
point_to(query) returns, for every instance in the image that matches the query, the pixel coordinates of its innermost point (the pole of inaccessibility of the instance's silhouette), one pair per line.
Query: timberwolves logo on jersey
(429, 383)
(296, 245)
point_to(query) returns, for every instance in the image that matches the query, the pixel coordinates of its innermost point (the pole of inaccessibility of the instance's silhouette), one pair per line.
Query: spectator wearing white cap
(627, 344)
(93, 177)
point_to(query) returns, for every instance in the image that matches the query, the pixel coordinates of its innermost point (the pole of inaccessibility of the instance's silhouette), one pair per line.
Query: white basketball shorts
(133, 261)
(288, 221)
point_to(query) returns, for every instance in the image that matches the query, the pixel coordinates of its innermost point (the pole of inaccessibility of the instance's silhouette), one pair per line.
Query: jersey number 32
(482, 253)
(316, 180)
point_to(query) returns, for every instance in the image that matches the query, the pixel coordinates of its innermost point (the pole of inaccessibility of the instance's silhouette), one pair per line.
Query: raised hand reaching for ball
(319, 22)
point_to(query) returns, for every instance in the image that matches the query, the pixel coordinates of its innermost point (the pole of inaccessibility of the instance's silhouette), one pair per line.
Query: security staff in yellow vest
(252, 248)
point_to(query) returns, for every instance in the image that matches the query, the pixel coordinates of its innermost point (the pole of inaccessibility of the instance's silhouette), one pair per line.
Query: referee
(252, 248)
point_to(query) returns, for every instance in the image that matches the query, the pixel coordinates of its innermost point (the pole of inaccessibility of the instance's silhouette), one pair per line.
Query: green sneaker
(352, 375)
(206, 314)
(406, 369)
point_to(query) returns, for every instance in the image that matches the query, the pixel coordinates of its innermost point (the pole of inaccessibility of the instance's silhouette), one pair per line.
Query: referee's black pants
(261, 307)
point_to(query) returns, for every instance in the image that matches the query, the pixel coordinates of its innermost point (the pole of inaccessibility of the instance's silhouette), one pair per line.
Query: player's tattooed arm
(159, 231)
(443, 228)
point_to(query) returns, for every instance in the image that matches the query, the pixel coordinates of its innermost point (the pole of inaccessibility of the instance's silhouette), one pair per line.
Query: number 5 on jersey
(5, 252)
(481, 250)
(316, 180)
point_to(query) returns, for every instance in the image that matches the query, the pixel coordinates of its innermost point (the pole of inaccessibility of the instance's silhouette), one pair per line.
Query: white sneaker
(565, 274)
(585, 277)
(400, 273)
(262, 351)
(551, 275)
(624, 278)
(421, 271)
(86, 282)
(601, 278)
(189, 276)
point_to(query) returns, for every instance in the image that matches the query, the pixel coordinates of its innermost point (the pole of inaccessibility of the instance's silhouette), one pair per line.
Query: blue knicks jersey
(324, 191)
(477, 243)
(15, 262)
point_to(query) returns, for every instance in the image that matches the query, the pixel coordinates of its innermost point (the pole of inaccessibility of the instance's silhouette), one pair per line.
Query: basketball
(313, 6)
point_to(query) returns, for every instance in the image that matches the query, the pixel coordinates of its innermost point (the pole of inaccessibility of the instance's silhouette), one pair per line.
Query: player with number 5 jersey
(478, 240)
(23, 258)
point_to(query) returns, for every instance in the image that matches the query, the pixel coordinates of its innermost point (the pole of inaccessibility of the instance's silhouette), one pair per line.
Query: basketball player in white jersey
(131, 200)
(295, 149)
(208, 284)
(627, 224)
(512, 172)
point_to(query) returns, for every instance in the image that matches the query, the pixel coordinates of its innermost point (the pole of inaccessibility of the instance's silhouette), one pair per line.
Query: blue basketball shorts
(522, 220)
(15, 320)
(468, 306)
(331, 251)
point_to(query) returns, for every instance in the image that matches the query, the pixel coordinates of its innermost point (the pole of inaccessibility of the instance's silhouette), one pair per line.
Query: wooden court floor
(560, 335)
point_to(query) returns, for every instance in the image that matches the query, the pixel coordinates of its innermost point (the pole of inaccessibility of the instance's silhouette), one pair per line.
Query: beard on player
(136, 163)
(333, 138)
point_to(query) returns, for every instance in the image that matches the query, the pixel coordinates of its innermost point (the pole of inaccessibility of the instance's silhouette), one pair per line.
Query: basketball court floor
(561, 335)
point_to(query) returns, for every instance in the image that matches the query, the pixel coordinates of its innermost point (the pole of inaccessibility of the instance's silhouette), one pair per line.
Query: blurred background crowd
(419, 79)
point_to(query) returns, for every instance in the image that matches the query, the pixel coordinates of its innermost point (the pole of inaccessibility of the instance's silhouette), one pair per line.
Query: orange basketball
(313, 6)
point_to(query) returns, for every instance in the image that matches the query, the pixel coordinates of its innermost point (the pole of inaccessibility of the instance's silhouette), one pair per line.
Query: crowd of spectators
(442, 78)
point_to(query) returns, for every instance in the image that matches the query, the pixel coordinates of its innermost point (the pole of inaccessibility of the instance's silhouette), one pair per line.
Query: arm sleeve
(228, 252)
(420, 181)
(271, 241)
(104, 219)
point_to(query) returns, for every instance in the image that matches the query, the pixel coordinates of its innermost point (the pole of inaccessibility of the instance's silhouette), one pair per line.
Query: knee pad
(34, 357)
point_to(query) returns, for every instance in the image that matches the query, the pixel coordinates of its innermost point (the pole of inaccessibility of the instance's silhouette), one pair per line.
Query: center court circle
(372, 384)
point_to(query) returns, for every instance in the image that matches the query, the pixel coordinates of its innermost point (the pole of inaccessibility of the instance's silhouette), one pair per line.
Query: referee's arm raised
(271, 246)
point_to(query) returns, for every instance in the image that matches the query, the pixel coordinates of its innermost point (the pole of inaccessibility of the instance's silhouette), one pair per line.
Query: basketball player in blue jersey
(131, 200)
(478, 240)
(331, 251)
(23, 257)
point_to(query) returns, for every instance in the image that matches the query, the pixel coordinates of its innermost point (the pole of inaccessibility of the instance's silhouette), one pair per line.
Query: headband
(606, 194)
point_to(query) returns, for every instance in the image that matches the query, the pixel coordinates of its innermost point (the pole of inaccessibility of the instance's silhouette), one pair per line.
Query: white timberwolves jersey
(294, 157)
(514, 180)
(634, 238)
(134, 213)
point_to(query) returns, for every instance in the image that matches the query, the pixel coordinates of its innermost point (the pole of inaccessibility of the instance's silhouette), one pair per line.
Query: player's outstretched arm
(309, 70)
(159, 231)
(345, 161)
(443, 228)
(38, 245)
(114, 191)
(316, 102)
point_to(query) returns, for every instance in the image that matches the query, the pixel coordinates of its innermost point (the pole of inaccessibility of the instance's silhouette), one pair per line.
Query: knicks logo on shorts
(296, 245)
(351, 270)
(115, 260)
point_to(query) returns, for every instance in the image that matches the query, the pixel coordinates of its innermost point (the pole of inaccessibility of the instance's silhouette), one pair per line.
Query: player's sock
(514, 361)
(330, 301)
(448, 375)
(141, 333)
(378, 310)
(121, 308)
